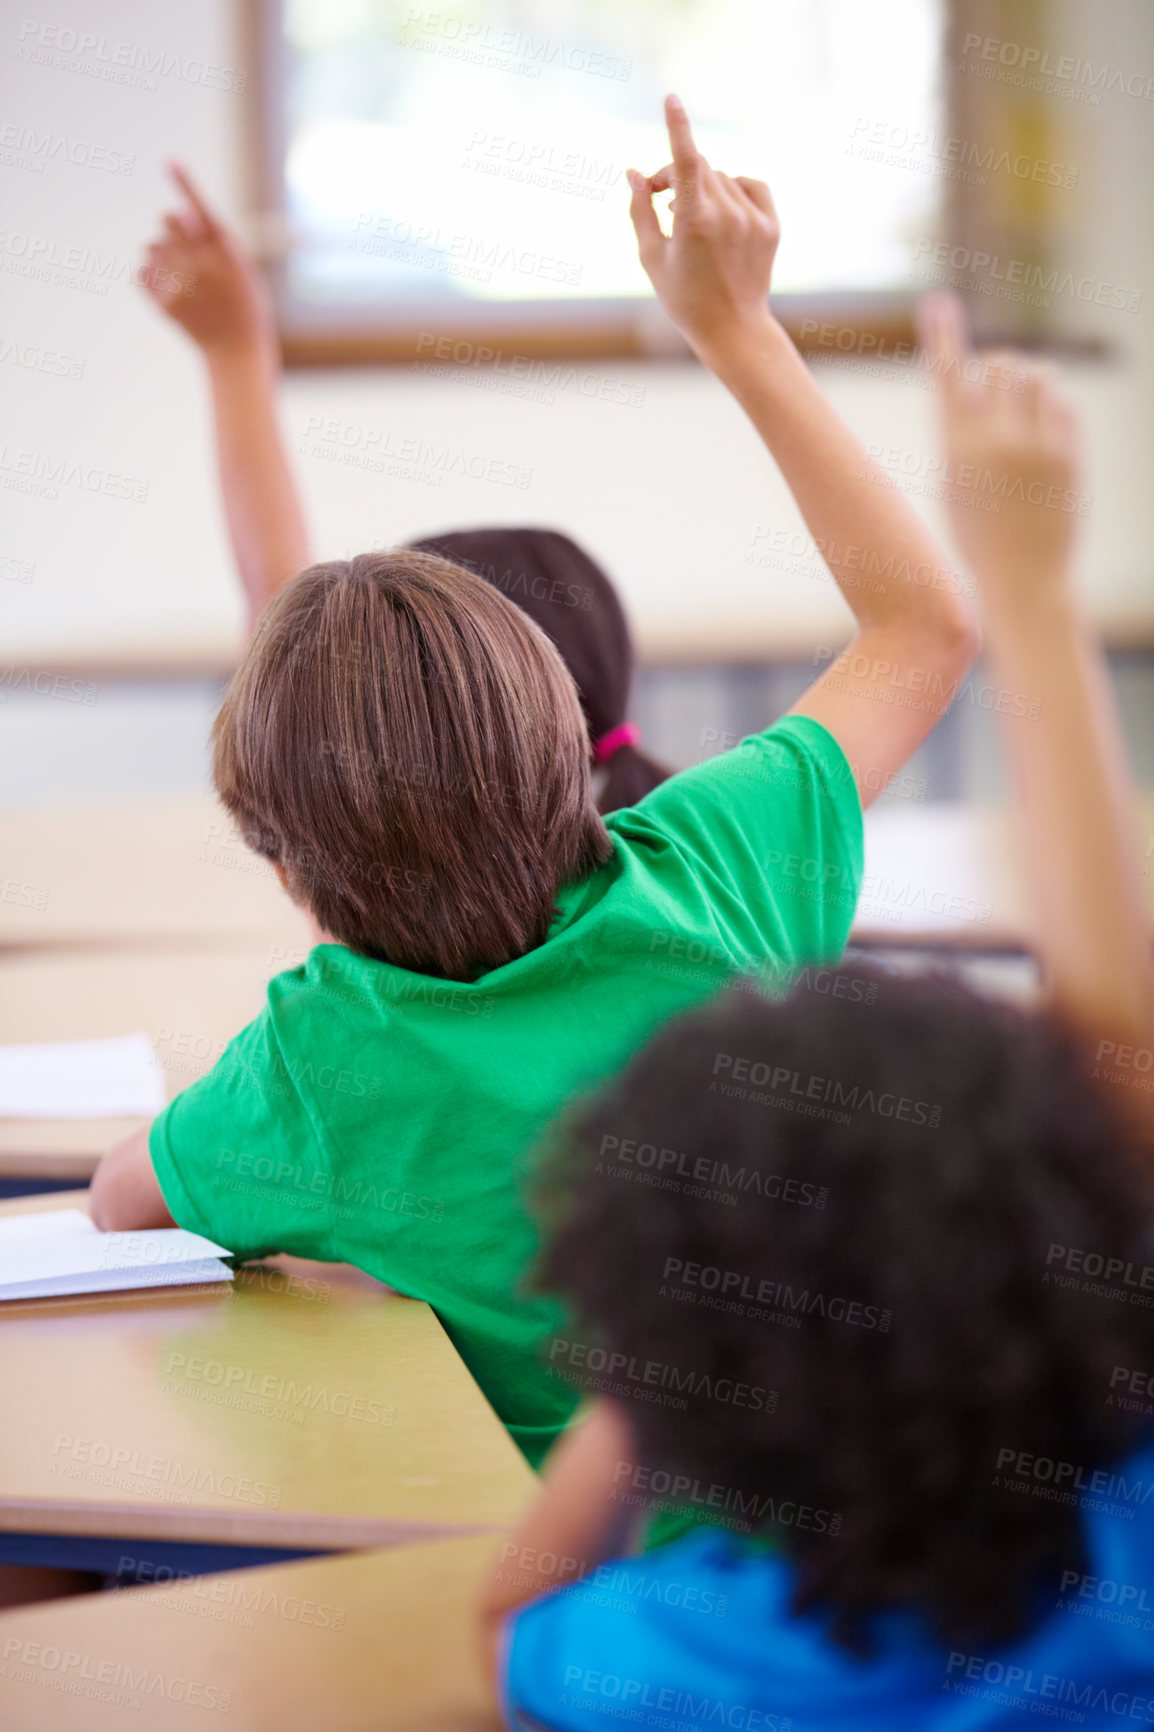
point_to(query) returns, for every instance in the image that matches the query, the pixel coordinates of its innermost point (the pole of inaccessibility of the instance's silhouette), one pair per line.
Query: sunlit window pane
(478, 153)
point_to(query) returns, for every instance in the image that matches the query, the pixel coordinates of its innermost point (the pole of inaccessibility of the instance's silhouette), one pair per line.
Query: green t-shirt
(376, 1116)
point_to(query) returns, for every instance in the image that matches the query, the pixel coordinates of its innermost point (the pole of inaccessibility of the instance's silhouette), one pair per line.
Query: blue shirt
(699, 1635)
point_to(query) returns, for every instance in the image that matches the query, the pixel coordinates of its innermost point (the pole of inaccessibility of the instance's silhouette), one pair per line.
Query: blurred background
(439, 196)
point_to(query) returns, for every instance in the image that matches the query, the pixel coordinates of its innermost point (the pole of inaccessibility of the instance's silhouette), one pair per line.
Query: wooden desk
(136, 872)
(189, 1004)
(261, 1412)
(397, 1651)
(949, 875)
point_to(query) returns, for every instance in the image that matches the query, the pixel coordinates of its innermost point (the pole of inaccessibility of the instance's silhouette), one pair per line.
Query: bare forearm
(886, 563)
(1070, 766)
(266, 523)
(575, 1524)
(125, 1195)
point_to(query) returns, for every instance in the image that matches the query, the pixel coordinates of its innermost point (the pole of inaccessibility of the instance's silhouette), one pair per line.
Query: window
(460, 168)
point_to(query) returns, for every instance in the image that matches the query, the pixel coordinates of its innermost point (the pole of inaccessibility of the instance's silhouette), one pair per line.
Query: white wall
(668, 494)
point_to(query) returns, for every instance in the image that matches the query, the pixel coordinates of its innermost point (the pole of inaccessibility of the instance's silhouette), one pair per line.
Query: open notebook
(59, 1251)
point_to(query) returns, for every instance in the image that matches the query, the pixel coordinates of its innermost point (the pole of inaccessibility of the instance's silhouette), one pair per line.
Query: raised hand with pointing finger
(712, 273)
(198, 273)
(712, 276)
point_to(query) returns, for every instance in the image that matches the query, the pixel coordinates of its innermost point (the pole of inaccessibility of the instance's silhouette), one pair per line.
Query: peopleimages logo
(118, 1682)
(1105, 1591)
(137, 63)
(123, 1467)
(1032, 66)
(1074, 1260)
(826, 1090)
(952, 157)
(667, 1706)
(485, 43)
(678, 1164)
(1019, 278)
(549, 1571)
(1071, 1476)
(1136, 1382)
(650, 1376)
(1022, 1685)
(671, 1490)
(518, 375)
(734, 1284)
(307, 1397)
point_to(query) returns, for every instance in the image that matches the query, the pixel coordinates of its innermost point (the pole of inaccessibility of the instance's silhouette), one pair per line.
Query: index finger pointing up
(194, 196)
(681, 145)
(945, 334)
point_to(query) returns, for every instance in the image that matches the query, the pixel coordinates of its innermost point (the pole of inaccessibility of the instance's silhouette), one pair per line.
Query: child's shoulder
(794, 755)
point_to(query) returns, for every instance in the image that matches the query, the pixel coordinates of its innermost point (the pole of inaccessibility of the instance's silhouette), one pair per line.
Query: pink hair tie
(611, 743)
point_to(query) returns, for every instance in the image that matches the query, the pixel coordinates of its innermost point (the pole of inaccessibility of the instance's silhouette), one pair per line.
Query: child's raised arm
(1067, 751)
(914, 635)
(200, 275)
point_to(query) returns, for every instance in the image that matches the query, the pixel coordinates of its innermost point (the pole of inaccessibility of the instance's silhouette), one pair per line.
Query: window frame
(628, 328)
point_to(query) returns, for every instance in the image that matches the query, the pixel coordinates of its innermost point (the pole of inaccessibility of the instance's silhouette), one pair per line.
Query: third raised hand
(1009, 429)
(712, 273)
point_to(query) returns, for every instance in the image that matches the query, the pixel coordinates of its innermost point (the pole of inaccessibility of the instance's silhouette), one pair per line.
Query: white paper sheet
(54, 1252)
(81, 1079)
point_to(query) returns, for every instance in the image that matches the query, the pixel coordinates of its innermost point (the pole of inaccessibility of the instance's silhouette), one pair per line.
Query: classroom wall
(670, 494)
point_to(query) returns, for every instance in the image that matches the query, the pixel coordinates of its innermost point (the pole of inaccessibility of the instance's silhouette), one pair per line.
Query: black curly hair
(852, 1197)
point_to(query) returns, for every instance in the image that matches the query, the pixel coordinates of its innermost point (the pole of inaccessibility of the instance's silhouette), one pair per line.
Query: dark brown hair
(574, 601)
(409, 748)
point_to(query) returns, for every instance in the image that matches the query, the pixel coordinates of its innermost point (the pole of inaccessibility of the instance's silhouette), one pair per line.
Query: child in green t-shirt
(410, 752)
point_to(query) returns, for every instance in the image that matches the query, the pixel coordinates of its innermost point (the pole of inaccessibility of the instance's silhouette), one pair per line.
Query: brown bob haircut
(408, 748)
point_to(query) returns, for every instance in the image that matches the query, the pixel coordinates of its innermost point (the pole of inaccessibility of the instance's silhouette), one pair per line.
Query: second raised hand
(712, 273)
